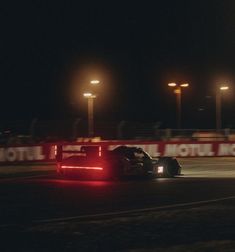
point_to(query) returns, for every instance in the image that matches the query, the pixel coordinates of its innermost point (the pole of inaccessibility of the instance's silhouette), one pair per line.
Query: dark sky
(48, 48)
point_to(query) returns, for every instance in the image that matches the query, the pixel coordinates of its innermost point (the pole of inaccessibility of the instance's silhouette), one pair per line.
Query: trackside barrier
(45, 153)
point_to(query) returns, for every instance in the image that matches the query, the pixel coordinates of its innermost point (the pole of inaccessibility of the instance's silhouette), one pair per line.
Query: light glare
(184, 85)
(94, 82)
(160, 169)
(224, 88)
(177, 91)
(87, 94)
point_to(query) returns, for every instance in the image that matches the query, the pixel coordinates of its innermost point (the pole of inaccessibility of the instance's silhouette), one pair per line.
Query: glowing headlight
(160, 169)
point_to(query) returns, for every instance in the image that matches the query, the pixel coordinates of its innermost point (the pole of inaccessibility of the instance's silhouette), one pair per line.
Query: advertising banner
(46, 152)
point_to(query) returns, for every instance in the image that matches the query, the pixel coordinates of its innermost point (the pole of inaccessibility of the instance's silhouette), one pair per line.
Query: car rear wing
(85, 151)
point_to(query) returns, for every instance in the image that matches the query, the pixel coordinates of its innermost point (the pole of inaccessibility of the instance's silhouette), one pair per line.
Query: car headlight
(160, 169)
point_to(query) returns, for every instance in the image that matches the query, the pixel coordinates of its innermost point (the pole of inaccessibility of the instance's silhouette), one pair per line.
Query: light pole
(178, 91)
(90, 101)
(218, 97)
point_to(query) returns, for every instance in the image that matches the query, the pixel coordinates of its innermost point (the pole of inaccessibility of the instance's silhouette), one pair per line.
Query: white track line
(134, 211)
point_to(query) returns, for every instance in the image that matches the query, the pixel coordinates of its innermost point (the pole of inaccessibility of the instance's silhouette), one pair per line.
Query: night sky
(51, 50)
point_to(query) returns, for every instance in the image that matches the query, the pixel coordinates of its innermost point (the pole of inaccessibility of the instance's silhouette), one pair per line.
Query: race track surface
(165, 214)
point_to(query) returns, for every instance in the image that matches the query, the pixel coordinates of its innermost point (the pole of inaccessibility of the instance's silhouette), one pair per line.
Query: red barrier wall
(46, 152)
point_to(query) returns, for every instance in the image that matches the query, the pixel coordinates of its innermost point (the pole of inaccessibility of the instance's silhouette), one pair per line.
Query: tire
(171, 166)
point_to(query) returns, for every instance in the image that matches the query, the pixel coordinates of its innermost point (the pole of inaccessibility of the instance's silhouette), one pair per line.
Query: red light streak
(81, 167)
(100, 151)
(55, 150)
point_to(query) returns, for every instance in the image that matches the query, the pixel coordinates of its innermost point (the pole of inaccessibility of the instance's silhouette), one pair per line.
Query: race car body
(97, 162)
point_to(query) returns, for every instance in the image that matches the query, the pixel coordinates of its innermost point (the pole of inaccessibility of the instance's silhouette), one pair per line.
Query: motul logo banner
(39, 153)
(13, 154)
(46, 152)
(187, 149)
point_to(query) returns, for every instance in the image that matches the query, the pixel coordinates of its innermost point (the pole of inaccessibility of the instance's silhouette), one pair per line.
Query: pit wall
(45, 153)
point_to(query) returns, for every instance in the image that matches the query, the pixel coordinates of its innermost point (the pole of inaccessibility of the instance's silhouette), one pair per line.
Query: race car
(97, 162)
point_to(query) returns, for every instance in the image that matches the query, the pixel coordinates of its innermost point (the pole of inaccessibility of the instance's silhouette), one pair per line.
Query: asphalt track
(45, 198)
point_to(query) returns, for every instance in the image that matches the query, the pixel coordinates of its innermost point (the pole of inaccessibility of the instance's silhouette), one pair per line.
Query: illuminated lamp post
(90, 101)
(178, 92)
(218, 99)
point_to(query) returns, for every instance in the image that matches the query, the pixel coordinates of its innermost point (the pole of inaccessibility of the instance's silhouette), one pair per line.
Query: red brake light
(100, 151)
(55, 150)
(81, 167)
